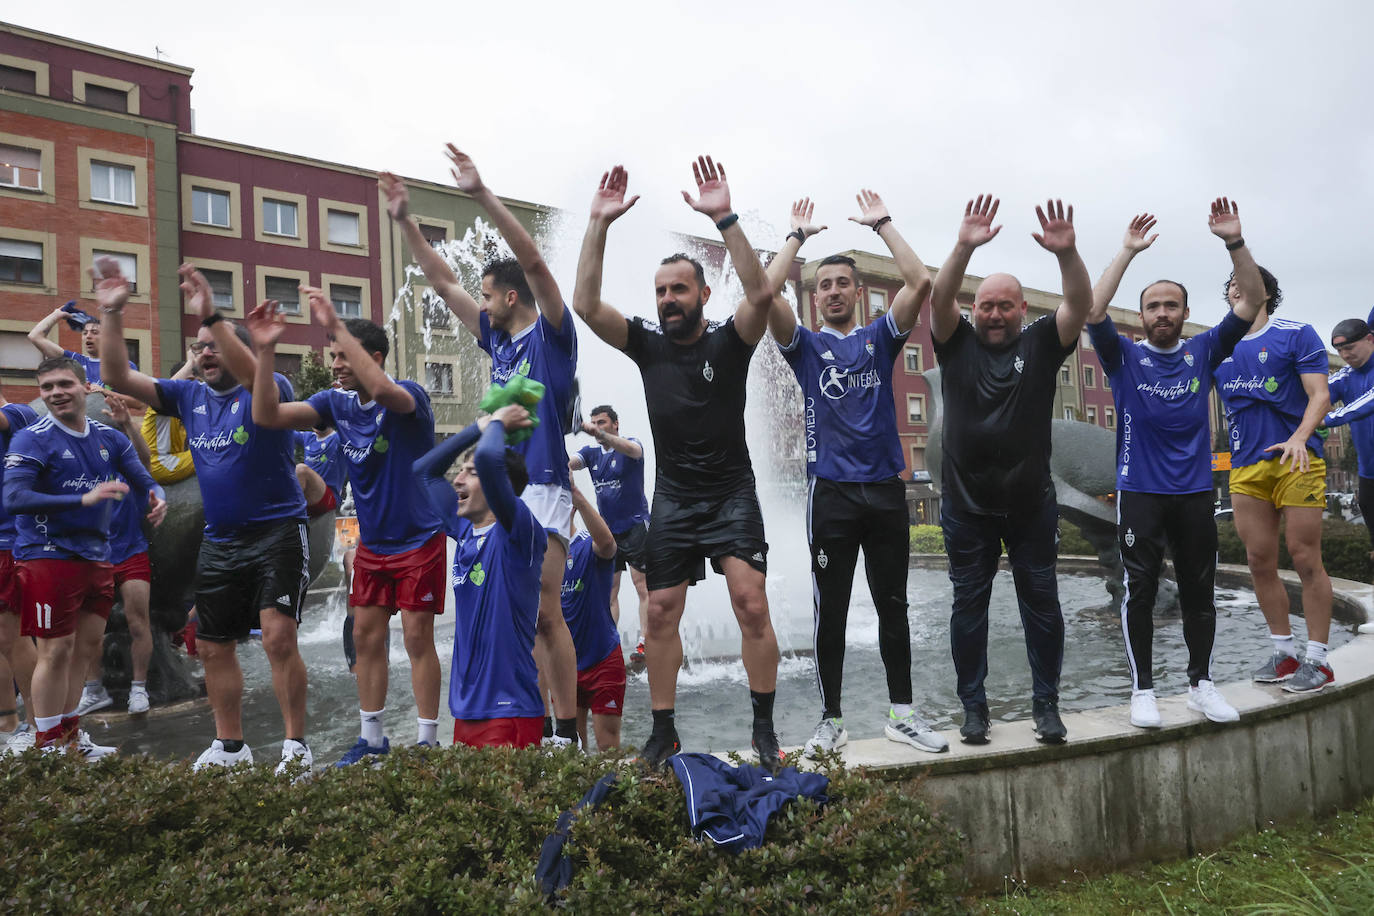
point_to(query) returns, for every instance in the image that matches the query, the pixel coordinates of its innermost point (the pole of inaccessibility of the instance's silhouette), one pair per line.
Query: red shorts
(524, 732)
(412, 581)
(9, 584)
(54, 592)
(601, 688)
(328, 503)
(136, 567)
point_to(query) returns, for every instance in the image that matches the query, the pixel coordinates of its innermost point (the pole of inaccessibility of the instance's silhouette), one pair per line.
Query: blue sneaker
(363, 749)
(424, 743)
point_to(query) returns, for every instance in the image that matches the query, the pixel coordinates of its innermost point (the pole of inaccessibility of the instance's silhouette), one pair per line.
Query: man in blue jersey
(523, 324)
(587, 608)
(855, 496)
(1162, 389)
(493, 684)
(385, 426)
(253, 567)
(1275, 394)
(88, 359)
(322, 474)
(61, 476)
(999, 382)
(705, 502)
(17, 651)
(616, 466)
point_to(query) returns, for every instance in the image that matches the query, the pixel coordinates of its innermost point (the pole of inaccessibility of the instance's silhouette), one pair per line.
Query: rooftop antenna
(157, 51)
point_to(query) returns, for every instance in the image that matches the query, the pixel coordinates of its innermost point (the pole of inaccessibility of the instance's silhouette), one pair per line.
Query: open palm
(609, 203)
(1056, 227)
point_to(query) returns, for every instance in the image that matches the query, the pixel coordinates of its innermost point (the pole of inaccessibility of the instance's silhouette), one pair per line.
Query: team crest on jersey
(235, 408)
(1264, 354)
(1188, 357)
(821, 559)
(869, 347)
(1019, 364)
(707, 372)
(104, 454)
(1130, 538)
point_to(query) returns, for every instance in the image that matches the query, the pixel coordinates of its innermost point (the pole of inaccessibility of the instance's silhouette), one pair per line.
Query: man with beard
(1162, 388)
(999, 383)
(705, 505)
(253, 566)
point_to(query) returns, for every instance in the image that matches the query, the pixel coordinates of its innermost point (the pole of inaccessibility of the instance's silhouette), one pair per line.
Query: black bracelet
(801, 236)
(882, 222)
(727, 222)
(209, 322)
(1238, 243)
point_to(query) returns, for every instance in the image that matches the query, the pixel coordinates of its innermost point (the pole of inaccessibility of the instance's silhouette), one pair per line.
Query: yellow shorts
(1268, 481)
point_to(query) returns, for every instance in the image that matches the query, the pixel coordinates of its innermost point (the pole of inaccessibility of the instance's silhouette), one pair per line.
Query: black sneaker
(1049, 728)
(976, 727)
(659, 748)
(765, 744)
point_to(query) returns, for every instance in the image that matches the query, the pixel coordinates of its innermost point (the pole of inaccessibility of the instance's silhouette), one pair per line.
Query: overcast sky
(1159, 107)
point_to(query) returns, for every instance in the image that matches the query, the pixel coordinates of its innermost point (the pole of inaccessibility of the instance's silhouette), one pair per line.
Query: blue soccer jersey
(247, 474)
(380, 447)
(549, 357)
(850, 417)
(587, 602)
(50, 467)
(126, 529)
(1261, 387)
(1353, 389)
(323, 457)
(92, 366)
(619, 482)
(19, 416)
(1163, 430)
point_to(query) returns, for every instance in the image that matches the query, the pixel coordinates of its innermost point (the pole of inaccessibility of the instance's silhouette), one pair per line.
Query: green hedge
(930, 539)
(1345, 548)
(453, 831)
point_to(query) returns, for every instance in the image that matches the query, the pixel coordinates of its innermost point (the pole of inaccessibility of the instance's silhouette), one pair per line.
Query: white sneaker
(93, 698)
(295, 755)
(216, 756)
(1144, 710)
(913, 730)
(557, 743)
(20, 740)
(1367, 628)
(829, 736)
(88, 749)
(138, 699)
(1206, 699)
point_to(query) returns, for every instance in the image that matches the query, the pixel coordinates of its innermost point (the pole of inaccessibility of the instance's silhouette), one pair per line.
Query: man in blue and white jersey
(88, 359)
(322, 473)
(16, 652)
(524, 325)
(1275, 393)
(1162, 389)
(254, 564)
(587, 607)
(855, 496)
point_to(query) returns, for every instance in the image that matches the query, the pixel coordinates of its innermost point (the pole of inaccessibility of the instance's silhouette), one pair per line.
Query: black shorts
(267, 566)
(685, 530)
(630, 547)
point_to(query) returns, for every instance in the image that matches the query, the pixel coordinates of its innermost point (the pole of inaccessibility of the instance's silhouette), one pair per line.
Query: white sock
(372, 726)
(1285, 645)
(901, 710)
(1316, 652)
(138, 683)
(46, 723)
(428, 730)
(1148, 692)
(93, 685)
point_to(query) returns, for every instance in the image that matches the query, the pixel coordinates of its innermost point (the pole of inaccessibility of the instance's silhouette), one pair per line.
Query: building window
(916, 408)
(912, 356)
(1065, 375)
(437, 236)
(439, 378)
(436, 313)
(288, 364)
(286, 291)
(1092, 414)
(135, 348)
(21, 262)
(1106, 382)
(1086, 340)
(112, 184)
(343, 228)
(1070, 414)
(210, 208)
(348, 300)
(21, 167)
(107, 98)
(279, 217)
(17, 355)
(221, 288)
(918, 458)
(128, 266)
(18, 79)
(1111, 418)
(877, 302)
(1089, 377)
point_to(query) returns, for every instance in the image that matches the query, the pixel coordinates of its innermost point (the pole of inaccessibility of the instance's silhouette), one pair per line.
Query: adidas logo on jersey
(200, 409)
(827, 355)
(67, 453)
(284, 599)
(1145, 361)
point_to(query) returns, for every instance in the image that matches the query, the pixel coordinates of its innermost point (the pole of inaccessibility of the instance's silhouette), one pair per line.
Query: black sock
(548, 726)
(565, 728)
(763, 706)
(663, 722)
(232, 745)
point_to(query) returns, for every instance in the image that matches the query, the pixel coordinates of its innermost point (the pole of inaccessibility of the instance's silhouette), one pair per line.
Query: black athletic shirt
(997, 410)
(695, 395)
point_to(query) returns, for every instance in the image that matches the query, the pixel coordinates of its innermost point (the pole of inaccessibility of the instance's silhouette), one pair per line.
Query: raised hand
(1056, 229)
(265, 324)
(116, 408)
(322, 309)
(609, 203)
(872, 209)
(713, 193)
(1136, 239)
(977, 228)
(157, 509)
(197, 290)
(1224, 220)
(110, 489)
(512, 416)
(397, 195)
(801, 218)
(111, 287)
(464, 170)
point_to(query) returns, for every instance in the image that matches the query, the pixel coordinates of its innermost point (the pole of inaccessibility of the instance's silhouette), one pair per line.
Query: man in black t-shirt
(705, 505)
(999, 383)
